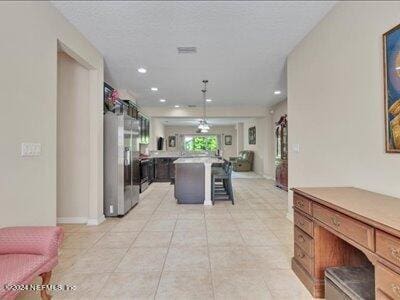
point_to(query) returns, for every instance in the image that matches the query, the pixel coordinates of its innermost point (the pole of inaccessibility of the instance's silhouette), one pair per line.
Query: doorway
(73, 140)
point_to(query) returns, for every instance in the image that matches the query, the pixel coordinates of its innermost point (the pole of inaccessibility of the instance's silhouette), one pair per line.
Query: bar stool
(221, 183)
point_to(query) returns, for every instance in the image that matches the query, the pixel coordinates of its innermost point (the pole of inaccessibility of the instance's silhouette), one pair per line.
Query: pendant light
(203, 125)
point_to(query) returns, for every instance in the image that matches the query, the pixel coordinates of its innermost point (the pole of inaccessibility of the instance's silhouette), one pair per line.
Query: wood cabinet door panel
(304, 260)
(387, 281)
(305, 242)
(304, 223)
(388, 247)
(302, 203)
(357, 231)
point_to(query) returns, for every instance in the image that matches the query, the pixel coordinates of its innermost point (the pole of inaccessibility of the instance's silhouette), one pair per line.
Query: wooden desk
(346, 226)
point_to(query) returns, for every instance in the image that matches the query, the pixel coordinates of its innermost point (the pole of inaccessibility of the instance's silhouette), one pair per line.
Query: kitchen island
(193, 179)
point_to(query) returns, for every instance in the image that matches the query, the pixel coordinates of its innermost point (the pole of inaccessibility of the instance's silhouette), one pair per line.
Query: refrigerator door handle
(127, 157)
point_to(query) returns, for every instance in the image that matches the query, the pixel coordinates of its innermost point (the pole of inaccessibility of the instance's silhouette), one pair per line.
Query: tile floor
(162, 250)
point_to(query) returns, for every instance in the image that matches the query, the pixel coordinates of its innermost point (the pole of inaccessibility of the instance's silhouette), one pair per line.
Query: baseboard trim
(269, 177)
(72, 220)
(98, 221)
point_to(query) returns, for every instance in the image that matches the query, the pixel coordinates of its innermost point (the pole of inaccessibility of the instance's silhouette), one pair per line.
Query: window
(200, 143)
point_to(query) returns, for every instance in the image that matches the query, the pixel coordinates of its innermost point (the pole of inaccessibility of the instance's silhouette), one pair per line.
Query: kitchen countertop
(198, 160)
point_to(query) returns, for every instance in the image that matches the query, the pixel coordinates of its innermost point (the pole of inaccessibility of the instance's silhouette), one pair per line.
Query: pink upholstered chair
(27, 252)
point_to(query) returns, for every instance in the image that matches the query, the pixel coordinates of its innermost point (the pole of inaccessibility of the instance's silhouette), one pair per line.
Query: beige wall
(228, 150)
(72, 140)
(157, 130)
(335, 101)
(28, 61)
(239, 137)
(262, 148)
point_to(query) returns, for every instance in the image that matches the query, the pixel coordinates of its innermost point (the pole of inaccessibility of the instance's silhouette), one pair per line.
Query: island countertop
(198, 160)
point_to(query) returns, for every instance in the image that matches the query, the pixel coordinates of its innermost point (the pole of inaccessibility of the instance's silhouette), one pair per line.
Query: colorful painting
(391, 44)
(252, 135)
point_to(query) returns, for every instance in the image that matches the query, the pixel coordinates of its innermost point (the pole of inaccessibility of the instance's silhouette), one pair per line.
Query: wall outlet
(111, 209)
(31, 149)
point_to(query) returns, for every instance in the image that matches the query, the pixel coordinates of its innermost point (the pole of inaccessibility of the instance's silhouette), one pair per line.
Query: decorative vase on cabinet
(281, 153)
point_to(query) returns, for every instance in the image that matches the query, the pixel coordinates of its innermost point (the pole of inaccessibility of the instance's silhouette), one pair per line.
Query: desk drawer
(355, 230)
(302, 203)
(304, 260)
(304, 223)
(305, 242)
(387, 281)
(388, 246)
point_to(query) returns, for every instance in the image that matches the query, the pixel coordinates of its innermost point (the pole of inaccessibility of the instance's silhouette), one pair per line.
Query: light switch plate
(296, 148)
(31, 149)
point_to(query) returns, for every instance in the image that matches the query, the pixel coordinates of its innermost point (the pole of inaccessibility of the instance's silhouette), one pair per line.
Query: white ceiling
(241, 46)
(195, 121)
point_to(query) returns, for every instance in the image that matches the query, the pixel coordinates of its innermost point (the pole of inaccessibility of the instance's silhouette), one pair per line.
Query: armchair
(27, 252)
(244, 162)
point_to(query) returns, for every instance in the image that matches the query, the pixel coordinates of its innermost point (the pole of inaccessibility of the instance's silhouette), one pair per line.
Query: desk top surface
(378, 210)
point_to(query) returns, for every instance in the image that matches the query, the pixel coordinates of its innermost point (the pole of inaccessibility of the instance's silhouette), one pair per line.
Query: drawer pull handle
(301, 255)
(300, 203)
(301, 223)
(335, 221)
(395, 253)
(301, 239)
(396, 289)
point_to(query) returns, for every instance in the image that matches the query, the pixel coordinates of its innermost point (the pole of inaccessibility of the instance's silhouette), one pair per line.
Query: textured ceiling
(241, 46)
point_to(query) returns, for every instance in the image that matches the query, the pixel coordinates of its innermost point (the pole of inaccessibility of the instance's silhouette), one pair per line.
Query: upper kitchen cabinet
(144, 129)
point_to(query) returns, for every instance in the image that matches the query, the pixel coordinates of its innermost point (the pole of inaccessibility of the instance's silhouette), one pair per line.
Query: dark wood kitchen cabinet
(172, 169)
(151, 170)
(161, 169)
(144, 129)
(164, 169)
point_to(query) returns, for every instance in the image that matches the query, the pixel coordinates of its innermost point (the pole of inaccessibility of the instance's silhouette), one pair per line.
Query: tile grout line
(166, 255)
(130, 246)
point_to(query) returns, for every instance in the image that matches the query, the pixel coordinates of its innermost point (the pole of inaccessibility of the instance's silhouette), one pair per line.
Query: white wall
(335, 101)
(28, 61)
(227, 150)
(72, 140)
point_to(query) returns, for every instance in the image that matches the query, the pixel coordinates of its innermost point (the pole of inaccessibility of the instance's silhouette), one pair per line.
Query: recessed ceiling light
(142, 70)
(163, 100)
(176, 106)
(277, 92)
(154, 89)
(209, 100)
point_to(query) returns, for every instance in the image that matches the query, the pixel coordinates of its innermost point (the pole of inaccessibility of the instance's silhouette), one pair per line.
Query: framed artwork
(228, 140)
(252, 135)
(391, 63)
(172, 141)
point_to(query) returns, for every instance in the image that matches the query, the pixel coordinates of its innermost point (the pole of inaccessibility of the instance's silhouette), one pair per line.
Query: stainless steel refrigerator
(121, 163)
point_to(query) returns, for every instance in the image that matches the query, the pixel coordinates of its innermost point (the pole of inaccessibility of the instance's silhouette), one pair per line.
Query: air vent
(187, 50)
(192, 105)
